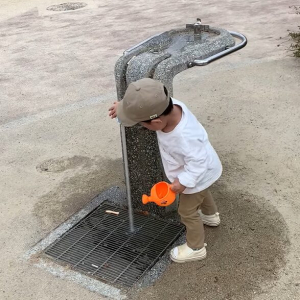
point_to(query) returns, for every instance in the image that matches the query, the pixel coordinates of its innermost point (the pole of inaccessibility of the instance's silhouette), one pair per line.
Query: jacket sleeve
(195, 163)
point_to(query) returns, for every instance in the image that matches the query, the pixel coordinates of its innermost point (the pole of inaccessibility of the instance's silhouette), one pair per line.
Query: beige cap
(144, 100)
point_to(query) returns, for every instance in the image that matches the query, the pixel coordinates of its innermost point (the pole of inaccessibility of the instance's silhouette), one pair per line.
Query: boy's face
(156, 124)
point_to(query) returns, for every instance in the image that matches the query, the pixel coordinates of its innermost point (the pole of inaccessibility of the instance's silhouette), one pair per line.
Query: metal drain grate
(102, 246)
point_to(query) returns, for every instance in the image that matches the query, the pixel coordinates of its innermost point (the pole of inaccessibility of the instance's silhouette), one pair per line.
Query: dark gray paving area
(102, 246)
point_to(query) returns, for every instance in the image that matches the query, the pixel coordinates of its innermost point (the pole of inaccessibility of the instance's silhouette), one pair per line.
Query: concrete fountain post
(161, 57)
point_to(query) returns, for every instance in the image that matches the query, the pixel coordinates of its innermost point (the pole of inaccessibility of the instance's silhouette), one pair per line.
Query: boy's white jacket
(188, 155)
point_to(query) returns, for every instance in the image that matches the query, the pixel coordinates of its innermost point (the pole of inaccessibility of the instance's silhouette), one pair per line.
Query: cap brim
(124, 120)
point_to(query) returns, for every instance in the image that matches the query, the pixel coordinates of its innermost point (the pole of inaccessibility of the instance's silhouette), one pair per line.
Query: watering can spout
(146, 199)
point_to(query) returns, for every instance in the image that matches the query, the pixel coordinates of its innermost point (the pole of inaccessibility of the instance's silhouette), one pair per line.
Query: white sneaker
(210, 220)
(184, 253)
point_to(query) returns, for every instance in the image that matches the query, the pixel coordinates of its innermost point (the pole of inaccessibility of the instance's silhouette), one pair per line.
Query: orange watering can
(161, 194)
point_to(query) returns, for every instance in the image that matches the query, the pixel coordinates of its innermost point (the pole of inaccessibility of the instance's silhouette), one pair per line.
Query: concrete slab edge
(88, 283)
(61, 272)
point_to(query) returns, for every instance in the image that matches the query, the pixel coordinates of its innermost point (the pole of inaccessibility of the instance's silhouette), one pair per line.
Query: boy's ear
(156, 121)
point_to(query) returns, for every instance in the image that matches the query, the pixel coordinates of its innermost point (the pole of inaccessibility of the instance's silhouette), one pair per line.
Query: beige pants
(189, 204)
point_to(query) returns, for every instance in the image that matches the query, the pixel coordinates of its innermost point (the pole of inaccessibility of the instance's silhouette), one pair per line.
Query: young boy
(190, 162)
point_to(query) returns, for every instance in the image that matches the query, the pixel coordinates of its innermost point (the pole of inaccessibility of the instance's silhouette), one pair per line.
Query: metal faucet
(198, 28)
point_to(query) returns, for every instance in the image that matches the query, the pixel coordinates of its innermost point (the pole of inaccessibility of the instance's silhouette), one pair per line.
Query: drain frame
(121, 265)
(35, 257)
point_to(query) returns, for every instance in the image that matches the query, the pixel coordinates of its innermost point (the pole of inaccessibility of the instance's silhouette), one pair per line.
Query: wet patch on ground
(90, 178)
(62, 164)
(67, 6)
(247, 250)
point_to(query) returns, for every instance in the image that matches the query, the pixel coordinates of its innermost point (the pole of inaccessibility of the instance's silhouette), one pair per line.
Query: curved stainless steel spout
(203, 62)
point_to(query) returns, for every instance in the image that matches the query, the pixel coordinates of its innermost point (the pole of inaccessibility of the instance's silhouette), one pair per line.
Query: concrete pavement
(57, 83)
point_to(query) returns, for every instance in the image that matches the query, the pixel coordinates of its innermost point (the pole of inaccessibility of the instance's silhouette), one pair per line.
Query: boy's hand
(177, 187)
(113, 110)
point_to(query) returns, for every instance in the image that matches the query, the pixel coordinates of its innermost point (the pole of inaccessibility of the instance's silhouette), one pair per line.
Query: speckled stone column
(160, 57)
